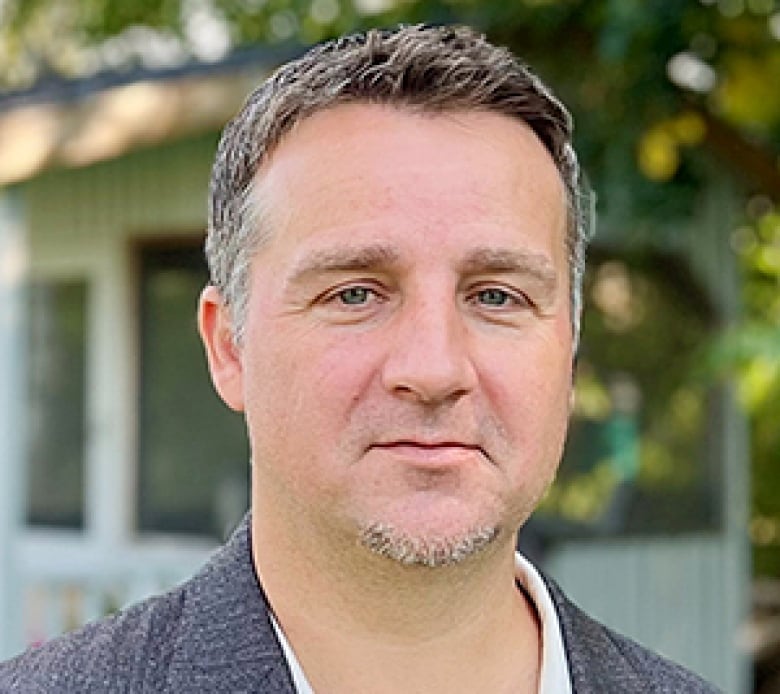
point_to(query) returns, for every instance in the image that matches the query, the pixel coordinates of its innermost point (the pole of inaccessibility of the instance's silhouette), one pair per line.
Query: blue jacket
(213, 634)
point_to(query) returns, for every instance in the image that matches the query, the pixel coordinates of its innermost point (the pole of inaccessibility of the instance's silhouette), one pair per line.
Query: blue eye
(494, 297)
(354, 296)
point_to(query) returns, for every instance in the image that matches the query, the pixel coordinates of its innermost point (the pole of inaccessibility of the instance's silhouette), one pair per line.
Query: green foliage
(752, 352)
(663, 91)
(629, 462)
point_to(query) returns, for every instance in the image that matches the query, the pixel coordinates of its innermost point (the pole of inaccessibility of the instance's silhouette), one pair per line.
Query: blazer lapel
(225, 641)
(596, 662)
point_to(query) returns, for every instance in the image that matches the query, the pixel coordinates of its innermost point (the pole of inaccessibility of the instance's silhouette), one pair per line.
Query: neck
(339, 604)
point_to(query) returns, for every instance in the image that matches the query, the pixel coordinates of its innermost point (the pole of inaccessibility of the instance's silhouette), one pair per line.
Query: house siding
(683, 596)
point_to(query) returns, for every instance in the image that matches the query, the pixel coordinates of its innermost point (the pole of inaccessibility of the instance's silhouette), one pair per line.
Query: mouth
(432, 453)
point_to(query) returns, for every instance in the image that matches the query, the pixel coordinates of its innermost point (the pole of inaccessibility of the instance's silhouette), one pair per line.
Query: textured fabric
(213, 634)
(603, 662)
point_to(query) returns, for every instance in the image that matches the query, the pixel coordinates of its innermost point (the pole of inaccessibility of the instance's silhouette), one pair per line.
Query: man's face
(406, 368)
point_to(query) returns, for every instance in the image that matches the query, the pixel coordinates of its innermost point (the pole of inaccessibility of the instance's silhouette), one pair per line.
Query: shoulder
(211, 634)
(601, 660)
(126, 652)
(658, 673)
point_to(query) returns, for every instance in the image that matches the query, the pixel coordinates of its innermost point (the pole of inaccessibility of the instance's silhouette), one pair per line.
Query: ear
(224, 358)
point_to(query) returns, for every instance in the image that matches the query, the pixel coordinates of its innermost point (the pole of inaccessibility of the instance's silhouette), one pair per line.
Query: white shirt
(554, 677)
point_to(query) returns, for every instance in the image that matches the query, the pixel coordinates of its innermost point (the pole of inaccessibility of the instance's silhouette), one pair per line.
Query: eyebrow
(331, 260)
(506, 261)
(380, 257)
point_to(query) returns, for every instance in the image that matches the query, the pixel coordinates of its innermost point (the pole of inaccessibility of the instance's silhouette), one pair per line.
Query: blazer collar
(225, 640)
(597, 663)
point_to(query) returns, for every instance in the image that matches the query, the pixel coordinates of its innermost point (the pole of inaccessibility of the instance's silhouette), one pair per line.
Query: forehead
(359, 164)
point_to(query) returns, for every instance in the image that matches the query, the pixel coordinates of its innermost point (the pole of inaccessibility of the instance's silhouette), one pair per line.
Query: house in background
(120, 469)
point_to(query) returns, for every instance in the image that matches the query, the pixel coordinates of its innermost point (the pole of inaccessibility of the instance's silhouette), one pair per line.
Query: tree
(752, 351)
(662, 92)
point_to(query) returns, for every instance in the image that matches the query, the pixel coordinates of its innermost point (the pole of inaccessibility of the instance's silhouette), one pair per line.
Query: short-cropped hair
(431, 69)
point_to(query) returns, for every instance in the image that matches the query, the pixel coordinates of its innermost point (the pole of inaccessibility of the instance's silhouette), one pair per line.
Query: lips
(437, 453)
(427, 445)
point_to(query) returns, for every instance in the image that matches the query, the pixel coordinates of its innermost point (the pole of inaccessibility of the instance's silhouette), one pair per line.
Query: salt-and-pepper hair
(418, 68)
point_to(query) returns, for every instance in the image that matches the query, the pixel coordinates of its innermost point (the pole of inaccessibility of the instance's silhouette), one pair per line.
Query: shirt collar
(554, 677)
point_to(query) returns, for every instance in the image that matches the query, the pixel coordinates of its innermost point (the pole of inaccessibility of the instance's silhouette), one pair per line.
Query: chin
(431, 548)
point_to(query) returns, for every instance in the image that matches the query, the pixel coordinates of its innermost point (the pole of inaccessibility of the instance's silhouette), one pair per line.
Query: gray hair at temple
(421, 68)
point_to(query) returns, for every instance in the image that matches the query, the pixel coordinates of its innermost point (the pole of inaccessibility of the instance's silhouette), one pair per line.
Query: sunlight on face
(407, 366)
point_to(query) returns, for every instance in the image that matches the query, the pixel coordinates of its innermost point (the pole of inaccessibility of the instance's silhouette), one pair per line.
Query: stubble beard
(386, 541)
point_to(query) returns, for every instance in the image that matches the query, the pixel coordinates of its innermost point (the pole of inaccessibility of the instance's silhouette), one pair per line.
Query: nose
(428, 358)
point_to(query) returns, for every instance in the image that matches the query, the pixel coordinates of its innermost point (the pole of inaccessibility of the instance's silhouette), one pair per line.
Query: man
(396, 245)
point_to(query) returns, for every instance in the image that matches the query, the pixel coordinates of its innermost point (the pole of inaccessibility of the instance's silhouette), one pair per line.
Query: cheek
(336, 371)
(535, 413)
(303, 387)
(530, 376)
(530, 391)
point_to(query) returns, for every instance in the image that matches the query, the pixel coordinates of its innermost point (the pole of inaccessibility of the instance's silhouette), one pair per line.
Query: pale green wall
(152, 191)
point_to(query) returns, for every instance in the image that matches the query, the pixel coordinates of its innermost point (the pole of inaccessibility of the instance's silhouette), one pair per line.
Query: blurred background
(120, 469)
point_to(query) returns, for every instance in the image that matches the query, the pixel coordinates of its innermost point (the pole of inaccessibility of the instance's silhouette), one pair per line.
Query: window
(57, 314)
(193, 462)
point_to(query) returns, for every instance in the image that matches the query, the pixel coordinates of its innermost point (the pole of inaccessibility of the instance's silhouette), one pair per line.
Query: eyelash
(337, 295)
(513, 298)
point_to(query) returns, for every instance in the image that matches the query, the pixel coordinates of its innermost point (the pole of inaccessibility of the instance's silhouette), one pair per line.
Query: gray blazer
(213, 634)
